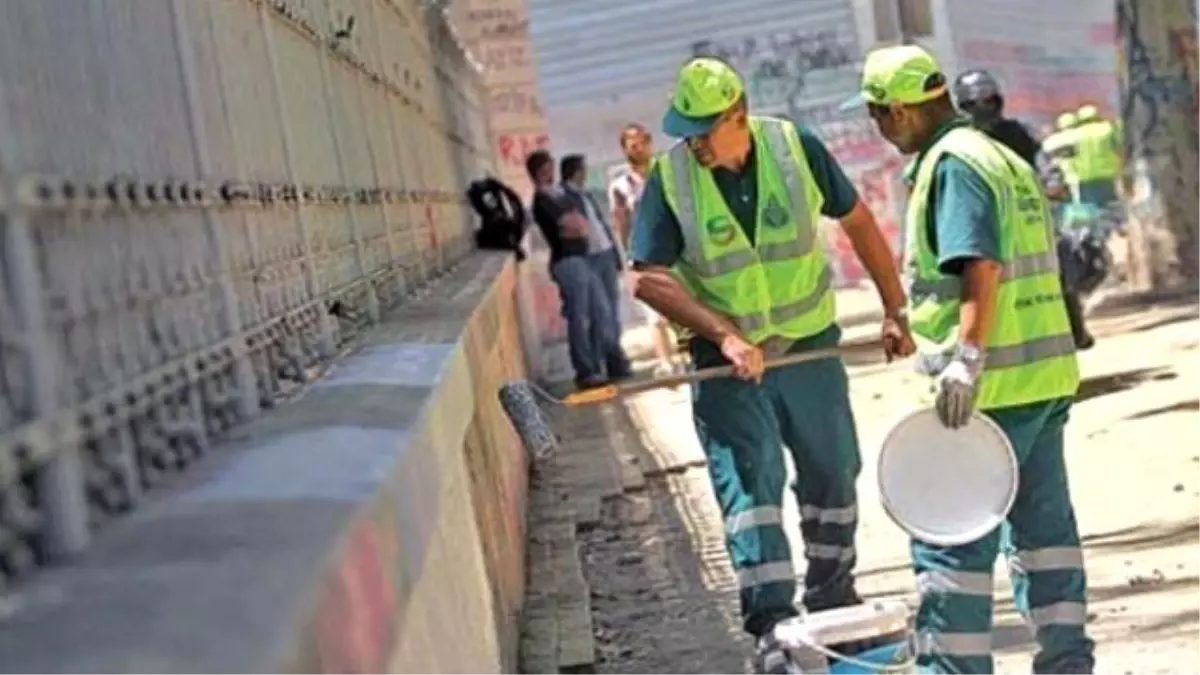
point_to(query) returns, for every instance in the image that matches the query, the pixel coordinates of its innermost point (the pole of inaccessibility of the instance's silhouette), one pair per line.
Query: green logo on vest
(720, 230)
(774, 215)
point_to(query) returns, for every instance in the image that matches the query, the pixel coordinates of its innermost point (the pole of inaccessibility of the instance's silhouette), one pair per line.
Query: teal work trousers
(743, 427)
(1041, 542)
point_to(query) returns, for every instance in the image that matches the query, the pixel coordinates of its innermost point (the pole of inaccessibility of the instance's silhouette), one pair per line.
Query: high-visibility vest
(1097, 157)
(1030, 351)
(778, 289)
(1063, 149)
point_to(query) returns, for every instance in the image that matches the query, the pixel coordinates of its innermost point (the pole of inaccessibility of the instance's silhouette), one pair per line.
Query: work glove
(956, 385)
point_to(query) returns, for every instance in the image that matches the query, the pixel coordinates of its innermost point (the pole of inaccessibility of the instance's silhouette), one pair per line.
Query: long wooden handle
(612, 392)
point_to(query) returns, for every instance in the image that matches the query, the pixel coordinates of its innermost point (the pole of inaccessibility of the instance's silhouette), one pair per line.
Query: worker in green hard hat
(994, 337)
(726, 244)
(1062, 146)
(1097, 162)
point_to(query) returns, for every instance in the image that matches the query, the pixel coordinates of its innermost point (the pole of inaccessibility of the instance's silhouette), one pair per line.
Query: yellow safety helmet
(1086, 113)
(1066, 121)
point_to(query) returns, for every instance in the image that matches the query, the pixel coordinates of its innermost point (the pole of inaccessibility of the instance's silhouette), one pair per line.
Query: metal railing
(200, 201)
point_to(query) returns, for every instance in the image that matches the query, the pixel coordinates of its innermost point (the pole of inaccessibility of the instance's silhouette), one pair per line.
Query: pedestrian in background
(603, 254)
(624, 193)
(590, 338)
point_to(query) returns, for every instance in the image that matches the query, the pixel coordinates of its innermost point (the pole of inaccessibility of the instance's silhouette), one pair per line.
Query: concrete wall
(375, 523)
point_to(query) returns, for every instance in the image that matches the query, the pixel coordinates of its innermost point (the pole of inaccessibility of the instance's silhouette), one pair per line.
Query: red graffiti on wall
(877, 188)
(514, 147)
(355, 620)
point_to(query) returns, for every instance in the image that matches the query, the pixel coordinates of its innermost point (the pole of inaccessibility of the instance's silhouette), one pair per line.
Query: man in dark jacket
(501, 215)
(977, 94)
(593, 334)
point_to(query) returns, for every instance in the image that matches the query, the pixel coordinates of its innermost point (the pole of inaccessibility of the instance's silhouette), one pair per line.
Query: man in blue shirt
(743, 421)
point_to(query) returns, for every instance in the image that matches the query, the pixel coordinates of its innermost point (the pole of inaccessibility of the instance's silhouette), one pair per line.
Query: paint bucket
(947, 486)
(807, 639)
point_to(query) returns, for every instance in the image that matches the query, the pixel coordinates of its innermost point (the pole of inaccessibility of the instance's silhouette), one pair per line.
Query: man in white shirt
(624, 193)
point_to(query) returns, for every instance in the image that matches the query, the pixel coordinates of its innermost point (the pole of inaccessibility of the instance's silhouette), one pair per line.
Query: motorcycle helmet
(977, 94)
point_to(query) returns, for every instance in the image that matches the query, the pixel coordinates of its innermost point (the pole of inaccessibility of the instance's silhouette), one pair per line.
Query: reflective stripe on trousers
(1052, 559)
(764, 516)
(957, 582)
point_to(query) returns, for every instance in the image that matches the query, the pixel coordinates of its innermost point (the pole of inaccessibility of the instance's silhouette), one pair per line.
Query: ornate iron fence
(200, 201)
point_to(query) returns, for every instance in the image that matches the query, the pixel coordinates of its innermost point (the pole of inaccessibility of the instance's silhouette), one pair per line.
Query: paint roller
(519, 398)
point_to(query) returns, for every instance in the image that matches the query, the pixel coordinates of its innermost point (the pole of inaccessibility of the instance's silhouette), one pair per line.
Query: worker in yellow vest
(1062, 146)
(1097, 162)
(726, 244)
(985, 306)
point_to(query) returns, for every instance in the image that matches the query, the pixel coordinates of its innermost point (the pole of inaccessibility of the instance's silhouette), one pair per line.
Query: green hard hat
(706, 88)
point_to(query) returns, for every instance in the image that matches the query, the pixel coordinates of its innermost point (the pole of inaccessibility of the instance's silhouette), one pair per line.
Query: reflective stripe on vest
(1030, 349)
(693, 251)
(764, 310)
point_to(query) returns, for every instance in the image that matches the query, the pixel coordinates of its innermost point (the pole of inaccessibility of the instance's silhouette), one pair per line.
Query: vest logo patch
(720, 230)
(774, 215)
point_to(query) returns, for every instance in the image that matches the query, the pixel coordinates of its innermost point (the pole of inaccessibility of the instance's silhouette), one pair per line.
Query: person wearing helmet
(726, 242)
(978, 96)
(1097, 161)
(982, 276)
(1061, 147)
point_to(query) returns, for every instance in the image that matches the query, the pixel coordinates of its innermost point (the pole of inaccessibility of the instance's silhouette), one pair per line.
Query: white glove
(955, 394)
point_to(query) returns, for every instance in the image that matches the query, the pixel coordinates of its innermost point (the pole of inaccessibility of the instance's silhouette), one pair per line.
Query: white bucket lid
(843, 624)
(947, 486)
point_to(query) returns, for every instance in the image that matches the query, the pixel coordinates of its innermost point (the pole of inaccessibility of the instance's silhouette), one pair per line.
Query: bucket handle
(902, 667)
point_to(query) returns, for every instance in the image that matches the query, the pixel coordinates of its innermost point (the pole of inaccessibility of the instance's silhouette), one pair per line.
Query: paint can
(808, 638)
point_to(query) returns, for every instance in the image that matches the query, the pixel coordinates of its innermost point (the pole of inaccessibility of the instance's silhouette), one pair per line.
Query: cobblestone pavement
(627, 566)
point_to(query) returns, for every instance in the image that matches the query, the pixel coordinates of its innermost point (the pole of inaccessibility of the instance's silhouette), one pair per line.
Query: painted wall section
(497, 34)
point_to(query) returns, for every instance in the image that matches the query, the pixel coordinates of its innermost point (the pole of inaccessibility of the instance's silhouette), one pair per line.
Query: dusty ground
(662, 597)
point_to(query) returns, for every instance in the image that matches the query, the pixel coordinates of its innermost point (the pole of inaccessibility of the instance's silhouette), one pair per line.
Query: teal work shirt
(963, 224)
(657, 237)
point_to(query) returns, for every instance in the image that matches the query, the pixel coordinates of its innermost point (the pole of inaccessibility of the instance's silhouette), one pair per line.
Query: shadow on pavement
(1177, 623)
(1159, 322)
(1144, 537)
(1111, 383)
(1179, 406)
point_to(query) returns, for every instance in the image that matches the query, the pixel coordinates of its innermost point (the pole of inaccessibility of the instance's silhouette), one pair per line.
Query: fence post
(327, 95)
(247, 386)
(327, 345)
(60, 481)
(408, 182)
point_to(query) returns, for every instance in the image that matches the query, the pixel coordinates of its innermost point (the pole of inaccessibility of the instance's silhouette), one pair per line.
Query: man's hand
(957, 386)
(897, 339)
(747, 359)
